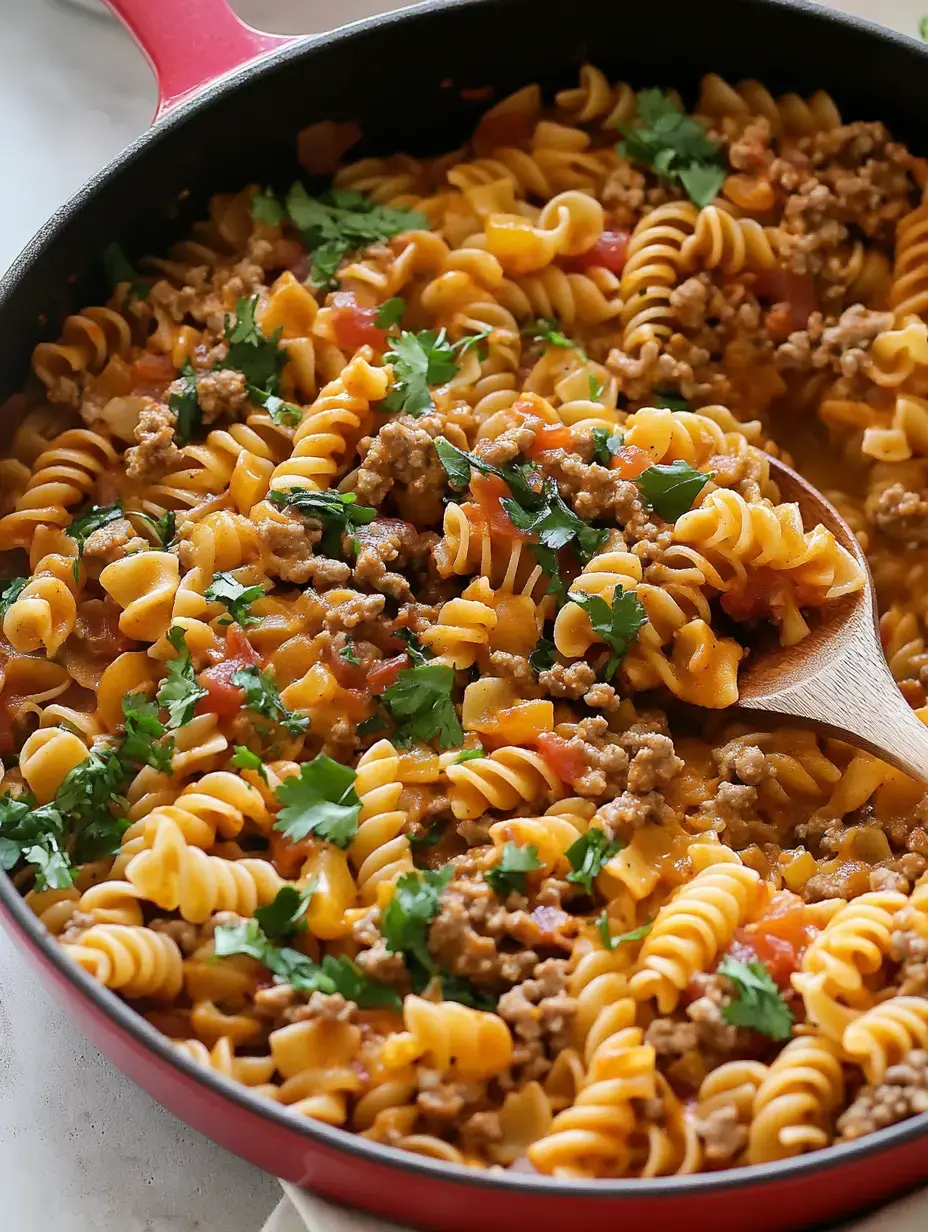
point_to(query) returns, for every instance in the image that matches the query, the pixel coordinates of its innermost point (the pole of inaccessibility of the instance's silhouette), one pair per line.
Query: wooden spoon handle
(855, 697)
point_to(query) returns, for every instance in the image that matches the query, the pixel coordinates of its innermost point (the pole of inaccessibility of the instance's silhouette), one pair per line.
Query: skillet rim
(121, 1015)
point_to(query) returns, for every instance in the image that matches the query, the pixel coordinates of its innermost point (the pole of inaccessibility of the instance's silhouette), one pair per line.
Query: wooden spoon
(837, 678)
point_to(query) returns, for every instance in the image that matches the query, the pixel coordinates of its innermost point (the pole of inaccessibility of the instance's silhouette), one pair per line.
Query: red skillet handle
(190, 42)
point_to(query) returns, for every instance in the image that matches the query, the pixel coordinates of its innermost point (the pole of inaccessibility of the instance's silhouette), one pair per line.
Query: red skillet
(402, 77)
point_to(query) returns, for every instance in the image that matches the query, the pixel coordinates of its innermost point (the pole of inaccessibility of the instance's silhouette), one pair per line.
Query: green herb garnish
(334, 511)
(508, 876)
(589, 855)
(671, 490)
(617, 625)
(675, 146)
(320, 801)
(421, 704)
(235, 598)
(758, 1003)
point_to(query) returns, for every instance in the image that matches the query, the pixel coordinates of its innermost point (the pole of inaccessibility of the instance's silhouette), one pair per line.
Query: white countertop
(81, 1148)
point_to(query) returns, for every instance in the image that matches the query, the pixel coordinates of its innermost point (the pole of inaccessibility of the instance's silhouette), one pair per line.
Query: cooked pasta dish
(379, 563)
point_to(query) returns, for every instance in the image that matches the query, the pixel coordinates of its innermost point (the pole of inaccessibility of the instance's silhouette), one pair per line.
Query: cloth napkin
(300, 1211)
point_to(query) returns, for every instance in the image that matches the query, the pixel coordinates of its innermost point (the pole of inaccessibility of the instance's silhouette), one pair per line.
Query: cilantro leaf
(347, 652)
(457, 463)
(525, 480)
(119, 269)
(262, 697)
(405, 920)
(588, 855)
(36, 835)
(143, 733)
(284, 915)
(675, 146)
(334, 511)
(555, 524)
(543, 657)
(320, 801)
(545, 330)
(245, 938)
(469, 755)
(390, 312)
(261, 359)
(184, 402)
(508, 875)
(667, 400)
(83, 527)
(457, 988)
(179, 691)
(349, 980)
(548, 561)
(596, 387)
(612, 943)
(266, 208)
(419, 360)
(85, 801)
(235, 598)
(342, 222)
(244, 759)
(430, 838)
(375, 723)
(10, 590)
(758, 1003)
(164, 527)
(421, 703)
(671, 490)
(418, 654)
(54, 871)
(606, 445)
(284, 414)
(617, 625)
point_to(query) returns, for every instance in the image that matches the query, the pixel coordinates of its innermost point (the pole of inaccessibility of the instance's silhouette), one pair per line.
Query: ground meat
(329, 1007)
(480, 1132)
(602, 697)
(187, 936)
(443, 1102)
(735, 806)
(750, 151)
(113, 541)
(745, 762)
(156, 451)
(882, 879)
(671, 1038)
(653, 760)
(594, 490)
(467, 935)
(506, 447)
(389, 541)
(515, 667)
(599, 753)
(348, 613)
(541, 1014)
(402, 453)
(910, 950)
(842, 347)
(628, 812)
(902, 1093)
(567, 679)
(722, 1135)
(690, 300)
(706, 1031)
(901, 515)
(222, 394)
(287, 542)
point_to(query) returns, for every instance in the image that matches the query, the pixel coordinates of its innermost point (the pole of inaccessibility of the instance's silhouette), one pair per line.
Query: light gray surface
(81, 1148)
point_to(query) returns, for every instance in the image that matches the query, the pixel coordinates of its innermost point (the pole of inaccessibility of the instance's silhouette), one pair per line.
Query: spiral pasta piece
(502, 780)
(132, 960)
(380, 852)
(453, 1038)
(795, 1105)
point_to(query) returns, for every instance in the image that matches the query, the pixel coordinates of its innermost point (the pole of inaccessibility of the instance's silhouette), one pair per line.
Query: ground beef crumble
(902, 1093)
(156, 452)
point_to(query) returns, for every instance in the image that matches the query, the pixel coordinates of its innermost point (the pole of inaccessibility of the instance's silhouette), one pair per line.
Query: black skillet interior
(401, 77)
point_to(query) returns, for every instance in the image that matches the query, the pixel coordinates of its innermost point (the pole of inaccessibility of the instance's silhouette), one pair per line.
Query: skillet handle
(191, 42)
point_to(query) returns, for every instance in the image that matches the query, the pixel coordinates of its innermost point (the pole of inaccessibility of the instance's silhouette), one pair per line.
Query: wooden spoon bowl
(837, 678)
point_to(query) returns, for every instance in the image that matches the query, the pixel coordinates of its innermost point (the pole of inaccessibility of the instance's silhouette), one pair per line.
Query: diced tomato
(609, 252)
(385, 672)
(755, 597)
(630, 461)
(349, 675)
(779, 286)
(558, 756)
(223, 698)
(289, 857)
(150, 369)
(354, 326)
(488, 491)
(549, 436)
(779, 939)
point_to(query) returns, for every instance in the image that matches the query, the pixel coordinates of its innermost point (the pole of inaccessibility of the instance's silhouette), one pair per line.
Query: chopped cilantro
(548, 561)
(596, 388)
(261, 359)
(322, 801)
(617, 625)
(923, 29)
(235, 598)
(36, 835)
(457, 988)
(419, 360)
(508, 876)
(758, 1003)
(334, 511)
(545, 330)
(266, 208)
(83, 527)
(554, 523)
(375, 723)
(10, 590)
(418, 654)
(606, 445)
(179, 690)
(262, 697)
(421, 703)
(671, 490)
(543, 657)
(244, 759)
(669, 401)
(186, 405)
(348, 653)
(469, 755)
(406, 918)
(675, 146)
(285, 914)
(284, 414)
(119, 269)
(390, 312)
(143, 734)
(588, 855)
(84, 800)
(612, 943)
(430, 838)
(342, 222)
(164, 527)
